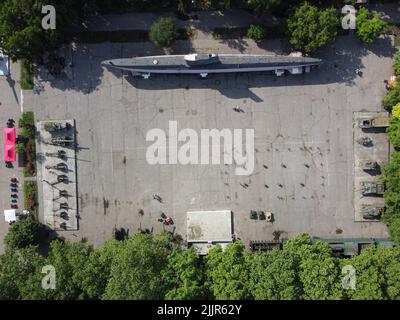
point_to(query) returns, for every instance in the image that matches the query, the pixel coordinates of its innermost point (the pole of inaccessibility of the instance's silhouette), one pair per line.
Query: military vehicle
(64, 193)
(64, 206)
(372, 188)
(368, 165)
(56, 126)
(62, 141)
(62, 178)
(59, 154)
(372, 212)
(365, 141)
(59, 166)
(380, 122)
(64, 215)
(253, 215)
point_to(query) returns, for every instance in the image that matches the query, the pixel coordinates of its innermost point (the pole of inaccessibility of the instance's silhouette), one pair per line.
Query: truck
(372, 188)
(379, 122)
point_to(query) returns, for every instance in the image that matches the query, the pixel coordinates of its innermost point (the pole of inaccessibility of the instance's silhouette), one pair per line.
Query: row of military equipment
(62, 140)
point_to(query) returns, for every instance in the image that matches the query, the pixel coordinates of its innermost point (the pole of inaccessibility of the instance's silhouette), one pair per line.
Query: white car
(4, 65)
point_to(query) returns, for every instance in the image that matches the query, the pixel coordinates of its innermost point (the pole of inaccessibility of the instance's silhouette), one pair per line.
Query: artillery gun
(62, 178)
(365, 141)
(58, 154)
(60, 141)
(59, 166)
(368, 165)
(372, 188)
(56, 126)
(372, 212)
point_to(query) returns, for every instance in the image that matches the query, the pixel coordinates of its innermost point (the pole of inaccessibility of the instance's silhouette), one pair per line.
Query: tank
(372, 212)
(372, 188)
(368, 165)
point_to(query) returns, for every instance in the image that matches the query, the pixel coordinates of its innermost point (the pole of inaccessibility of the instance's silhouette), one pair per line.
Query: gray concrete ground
(303, 125)
(207, 20)
(379, 151)
(10, 108)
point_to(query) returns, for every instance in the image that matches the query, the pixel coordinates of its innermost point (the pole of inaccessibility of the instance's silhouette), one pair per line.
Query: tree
(16, 266)
(310, 29)
(273, 276)
(391, 178)
(319, 271)
(377, 275)
(369, 26)
(258, 6)
(69, 260)
(256, 32)
(137, 269)
(393, 132)
(21, 32)
(163, 31)
(97, 269)
(227, 272)
(392, 98)
(183, 275)
(23, 233)
(397, 63)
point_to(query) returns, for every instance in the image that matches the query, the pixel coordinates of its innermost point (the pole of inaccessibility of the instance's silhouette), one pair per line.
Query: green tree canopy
(377, 275)
(97, 269)
(21, 32)
(369, 26)
(319, 271)
(69, 260)
(22, 234)
(393, 132)
(392, 98)
(310, 29)
(227, 272)
(256, 32)
(273, 276)
(136, 271)
(184, 275)
(163, 31)
(16, 266)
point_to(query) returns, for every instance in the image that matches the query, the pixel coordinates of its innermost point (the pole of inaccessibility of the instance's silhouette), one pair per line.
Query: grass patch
(27, 143)
(124, 36)
(26, 80)
(31, 197)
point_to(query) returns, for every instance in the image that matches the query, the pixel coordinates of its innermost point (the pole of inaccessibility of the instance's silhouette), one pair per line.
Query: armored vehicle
(372, 188)
(368, 165)
(372, 212)
(366, 123)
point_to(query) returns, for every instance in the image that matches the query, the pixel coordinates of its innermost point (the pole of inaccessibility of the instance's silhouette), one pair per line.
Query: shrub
(392, 98)
(26, 75)
(23, 233)
(397, 63)
(369, 26)
(163, 32)
(256, 32)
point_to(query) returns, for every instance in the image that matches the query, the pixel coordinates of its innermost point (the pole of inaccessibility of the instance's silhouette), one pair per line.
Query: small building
(205, 229)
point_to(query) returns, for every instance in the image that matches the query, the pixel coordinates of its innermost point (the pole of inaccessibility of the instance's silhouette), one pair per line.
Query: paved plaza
(304, 158)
